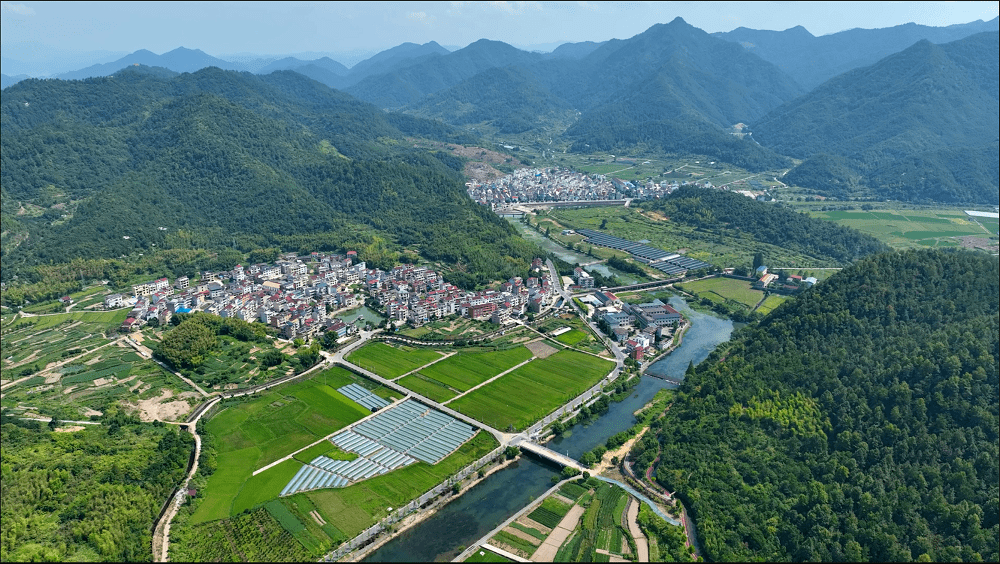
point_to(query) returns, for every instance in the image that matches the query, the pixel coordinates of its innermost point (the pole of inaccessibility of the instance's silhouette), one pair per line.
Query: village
(561, 185)
(300, 296)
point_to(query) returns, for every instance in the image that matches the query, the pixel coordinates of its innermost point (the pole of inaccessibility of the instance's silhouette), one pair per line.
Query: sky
(48, 29)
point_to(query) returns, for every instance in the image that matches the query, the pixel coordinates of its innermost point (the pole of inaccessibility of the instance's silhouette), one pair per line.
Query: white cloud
(17, 8)
(515, 8)
(420, 17)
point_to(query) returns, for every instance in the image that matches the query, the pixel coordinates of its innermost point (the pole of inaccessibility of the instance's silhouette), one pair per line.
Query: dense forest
(767, 223)
(146, 160)
(856, 422)
(87, 495)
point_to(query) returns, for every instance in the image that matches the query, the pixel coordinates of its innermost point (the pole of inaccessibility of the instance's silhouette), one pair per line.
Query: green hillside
(918, 125)
(143, 160)
(858, 422)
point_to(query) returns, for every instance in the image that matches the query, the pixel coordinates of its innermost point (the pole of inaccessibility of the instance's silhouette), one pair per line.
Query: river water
(463, 521)
(567, 255)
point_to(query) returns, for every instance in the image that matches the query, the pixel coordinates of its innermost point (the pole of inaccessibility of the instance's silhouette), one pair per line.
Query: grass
(358, 506)
(468, 369)
(571, 337)
(907, 228)
(527, 394)
(225, 484)
(771, 302)
(250, 434)
(390, 361)
(715, 248)
(486, 555)
(264, 486)
(428, 387)
(739, 291)
(309, 454)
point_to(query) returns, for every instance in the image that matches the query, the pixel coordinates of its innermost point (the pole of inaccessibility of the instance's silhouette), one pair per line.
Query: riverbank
(420, 516)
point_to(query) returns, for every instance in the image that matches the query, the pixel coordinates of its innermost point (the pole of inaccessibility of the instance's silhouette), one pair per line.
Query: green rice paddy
(518, 399)
(391, 361)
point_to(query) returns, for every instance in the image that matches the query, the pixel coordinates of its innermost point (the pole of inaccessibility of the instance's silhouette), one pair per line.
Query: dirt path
(547, 552)
(641, 546)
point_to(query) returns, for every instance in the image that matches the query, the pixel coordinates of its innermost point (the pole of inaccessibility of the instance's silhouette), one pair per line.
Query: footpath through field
(481, 384)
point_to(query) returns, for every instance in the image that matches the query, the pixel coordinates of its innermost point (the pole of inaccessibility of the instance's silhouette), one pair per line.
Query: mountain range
(919, 124)
(149, 159)
(812, 60)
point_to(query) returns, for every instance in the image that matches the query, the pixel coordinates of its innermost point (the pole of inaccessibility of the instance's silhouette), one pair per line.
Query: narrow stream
(463, 521)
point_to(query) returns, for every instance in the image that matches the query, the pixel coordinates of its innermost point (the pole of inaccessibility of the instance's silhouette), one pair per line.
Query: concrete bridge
(548, 454)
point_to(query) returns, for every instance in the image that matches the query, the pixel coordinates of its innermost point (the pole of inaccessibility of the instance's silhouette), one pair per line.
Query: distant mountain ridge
(812, 60)
(935, 107)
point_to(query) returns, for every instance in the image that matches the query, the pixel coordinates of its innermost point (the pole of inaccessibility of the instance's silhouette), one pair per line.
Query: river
(567, 255)
(463, 521)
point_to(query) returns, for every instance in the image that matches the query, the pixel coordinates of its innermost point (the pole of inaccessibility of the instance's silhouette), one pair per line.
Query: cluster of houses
(790, 284)
(417, 295)
(638, 326)
(297, 296)
(558, 185)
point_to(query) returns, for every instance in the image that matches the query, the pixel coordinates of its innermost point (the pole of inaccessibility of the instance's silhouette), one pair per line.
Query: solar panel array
(392, 439)
(671, 263)
(363, 396)
(423, 433)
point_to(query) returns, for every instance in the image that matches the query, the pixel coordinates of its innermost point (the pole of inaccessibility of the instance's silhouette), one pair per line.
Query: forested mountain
(434, 73)
(509, 99)
(929, 112)
(812, 60)
(400, 55)
(858, 422)
(735, 214)
(292, 63)
(178, 60)
(142, 161)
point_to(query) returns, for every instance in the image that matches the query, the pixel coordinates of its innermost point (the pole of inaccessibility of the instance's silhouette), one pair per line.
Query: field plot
(579, 335)
(715, 248)
(467, 369)
(450, 328)
(40, 340)
(771, 302)
(428, 387)
(527, 394)
(902, 229)
(725, 290)
(356, 507)
(391, 361)
(85, 383)
(249, 434)
(487, 555)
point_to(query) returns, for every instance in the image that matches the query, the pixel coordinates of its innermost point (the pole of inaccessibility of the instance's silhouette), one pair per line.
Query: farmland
(391, 361)
(39, 340)
(771, 302)
(467, 369)
(247, 434)
(725, 290)
(82, 382)
(715, 248)
(906, 228)
(530, 392)
(358, 506)
(596, 536)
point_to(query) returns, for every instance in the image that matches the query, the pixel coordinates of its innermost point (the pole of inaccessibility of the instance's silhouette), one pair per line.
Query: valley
(661, 291)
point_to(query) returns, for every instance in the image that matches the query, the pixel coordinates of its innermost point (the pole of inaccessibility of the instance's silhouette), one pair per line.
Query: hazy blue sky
(220, 28)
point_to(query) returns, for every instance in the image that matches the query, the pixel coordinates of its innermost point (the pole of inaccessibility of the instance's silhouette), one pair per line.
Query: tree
(758, 260)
